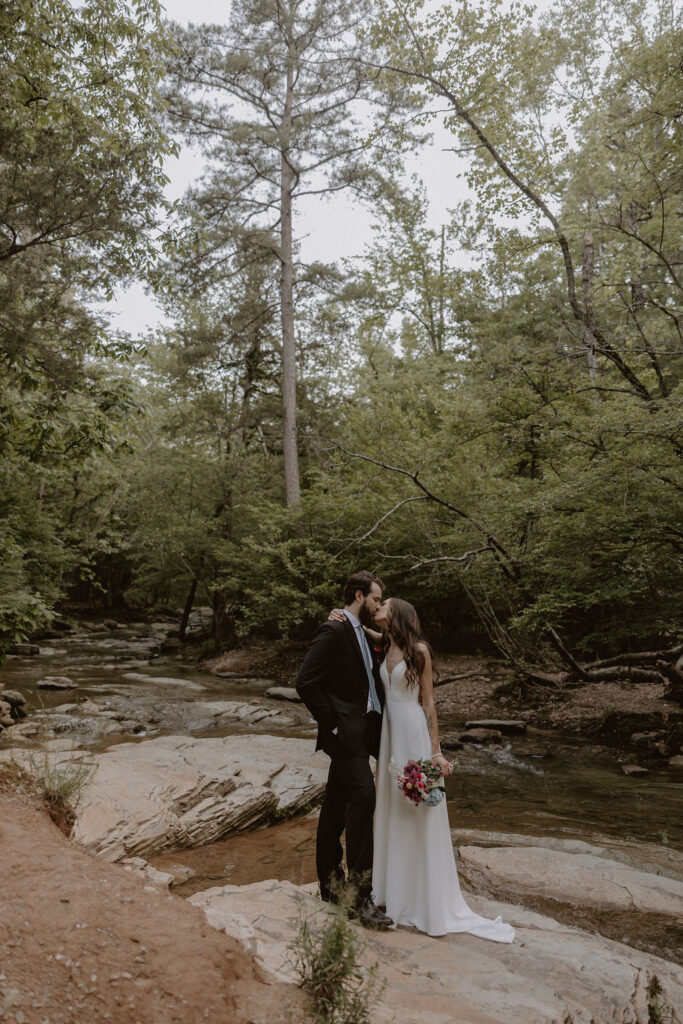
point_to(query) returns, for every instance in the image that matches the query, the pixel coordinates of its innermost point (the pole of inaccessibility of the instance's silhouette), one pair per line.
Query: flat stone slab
(119, 716)
(24, 650)
(550, 973)
(56, 683)
(509, 727)
(579, 879)
(176, 792)
(653, 858)
(634, 769)
(283, 693)
(481, 736)
(451, 742)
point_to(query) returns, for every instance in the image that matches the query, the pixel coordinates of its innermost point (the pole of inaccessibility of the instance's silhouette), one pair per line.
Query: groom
(340, 685)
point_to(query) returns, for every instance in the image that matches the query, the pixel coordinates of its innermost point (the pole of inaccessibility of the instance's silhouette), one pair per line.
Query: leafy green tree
(81, 154)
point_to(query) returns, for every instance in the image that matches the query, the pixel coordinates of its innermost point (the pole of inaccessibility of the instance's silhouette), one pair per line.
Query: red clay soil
(83, 942)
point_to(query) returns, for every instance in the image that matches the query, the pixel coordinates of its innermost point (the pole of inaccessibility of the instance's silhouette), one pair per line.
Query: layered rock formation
(552, 973)
(176, 792)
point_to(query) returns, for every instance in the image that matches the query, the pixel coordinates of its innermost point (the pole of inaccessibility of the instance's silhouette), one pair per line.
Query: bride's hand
(373, 634)
(336, 615)
(443, 763)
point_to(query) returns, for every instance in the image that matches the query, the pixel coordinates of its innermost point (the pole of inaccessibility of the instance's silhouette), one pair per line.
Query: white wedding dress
(413, 872)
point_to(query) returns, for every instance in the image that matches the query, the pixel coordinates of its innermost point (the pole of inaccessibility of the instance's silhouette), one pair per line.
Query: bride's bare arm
(374, 634)
(429, 708)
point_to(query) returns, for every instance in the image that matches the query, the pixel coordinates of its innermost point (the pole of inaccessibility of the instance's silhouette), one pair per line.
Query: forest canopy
(485, 411)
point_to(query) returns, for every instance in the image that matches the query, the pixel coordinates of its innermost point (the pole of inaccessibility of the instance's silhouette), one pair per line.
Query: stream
(573, 790)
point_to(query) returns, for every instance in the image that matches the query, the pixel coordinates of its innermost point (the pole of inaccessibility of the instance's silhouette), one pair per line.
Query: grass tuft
(326, 957)
(61, 783)
(658, 1012)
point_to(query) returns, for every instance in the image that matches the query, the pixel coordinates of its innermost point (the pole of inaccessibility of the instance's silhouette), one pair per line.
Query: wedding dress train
(414, 873)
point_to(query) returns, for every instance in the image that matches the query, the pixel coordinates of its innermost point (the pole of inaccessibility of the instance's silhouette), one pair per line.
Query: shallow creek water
(578, 792)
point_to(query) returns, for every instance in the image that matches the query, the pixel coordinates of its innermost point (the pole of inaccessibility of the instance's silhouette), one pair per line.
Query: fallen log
(636, 658)
(540, 678)
(626, 672)
(442, 680)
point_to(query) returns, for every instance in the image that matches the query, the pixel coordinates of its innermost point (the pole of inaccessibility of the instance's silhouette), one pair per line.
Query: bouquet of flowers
(420, 781)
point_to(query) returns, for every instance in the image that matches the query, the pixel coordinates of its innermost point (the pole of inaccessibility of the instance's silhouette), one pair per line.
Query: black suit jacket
(333, 684)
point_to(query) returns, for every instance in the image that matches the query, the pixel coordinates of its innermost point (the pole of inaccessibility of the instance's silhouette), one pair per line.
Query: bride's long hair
(403, 627)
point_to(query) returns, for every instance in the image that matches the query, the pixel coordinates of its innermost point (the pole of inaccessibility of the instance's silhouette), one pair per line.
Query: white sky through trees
(328, 229)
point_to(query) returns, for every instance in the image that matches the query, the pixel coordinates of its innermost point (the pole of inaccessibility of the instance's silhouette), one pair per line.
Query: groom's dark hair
(361, 580)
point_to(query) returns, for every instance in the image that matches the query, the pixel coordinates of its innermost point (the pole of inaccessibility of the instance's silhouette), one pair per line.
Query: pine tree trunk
(289, 445)
(587, 291)
(187, 609)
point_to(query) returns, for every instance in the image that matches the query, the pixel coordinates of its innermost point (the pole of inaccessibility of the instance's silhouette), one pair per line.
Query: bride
(414, 874)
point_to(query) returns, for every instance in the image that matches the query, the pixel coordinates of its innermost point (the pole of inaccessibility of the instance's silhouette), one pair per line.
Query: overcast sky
(328, 229)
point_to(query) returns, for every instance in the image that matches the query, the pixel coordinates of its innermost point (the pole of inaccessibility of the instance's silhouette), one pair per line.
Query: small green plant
(657, 1011)
(326, 957)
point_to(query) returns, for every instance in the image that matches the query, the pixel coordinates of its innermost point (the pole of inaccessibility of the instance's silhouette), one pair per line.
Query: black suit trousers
(349, 805)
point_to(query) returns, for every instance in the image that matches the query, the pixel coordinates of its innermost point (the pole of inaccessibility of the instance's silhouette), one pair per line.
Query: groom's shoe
(372, 917)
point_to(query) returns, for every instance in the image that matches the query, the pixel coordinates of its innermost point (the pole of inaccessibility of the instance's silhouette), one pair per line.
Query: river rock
(634, 769)
(26, 730)
(451, 742)
(16, 703)
(507, 726)
(481, 736)
(146, 872)
(24, 649)
(175, 792)
(180, 873)
(579, 879)
(643, 738)
(283, 693)
(56, 683)
(676, 761)
(551, 973)
(201, 716)
(16, 700)
(6, 714)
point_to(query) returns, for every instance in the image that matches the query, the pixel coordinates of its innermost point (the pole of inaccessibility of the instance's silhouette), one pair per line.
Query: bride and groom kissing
(399, 857)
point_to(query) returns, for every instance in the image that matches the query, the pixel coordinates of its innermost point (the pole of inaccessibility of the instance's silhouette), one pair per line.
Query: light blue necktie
(367, 658)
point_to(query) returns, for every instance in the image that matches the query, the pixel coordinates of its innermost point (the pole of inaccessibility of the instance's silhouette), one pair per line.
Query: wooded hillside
(487, 411)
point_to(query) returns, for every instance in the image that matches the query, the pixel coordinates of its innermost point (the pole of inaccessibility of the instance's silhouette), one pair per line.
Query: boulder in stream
(508, 726)
(16, 701)
(56, 683)
(283, 693)
(634, 769)
(451, 742)
(481, 736)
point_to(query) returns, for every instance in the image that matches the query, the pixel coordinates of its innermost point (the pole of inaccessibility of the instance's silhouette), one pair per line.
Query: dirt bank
(85, 942)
